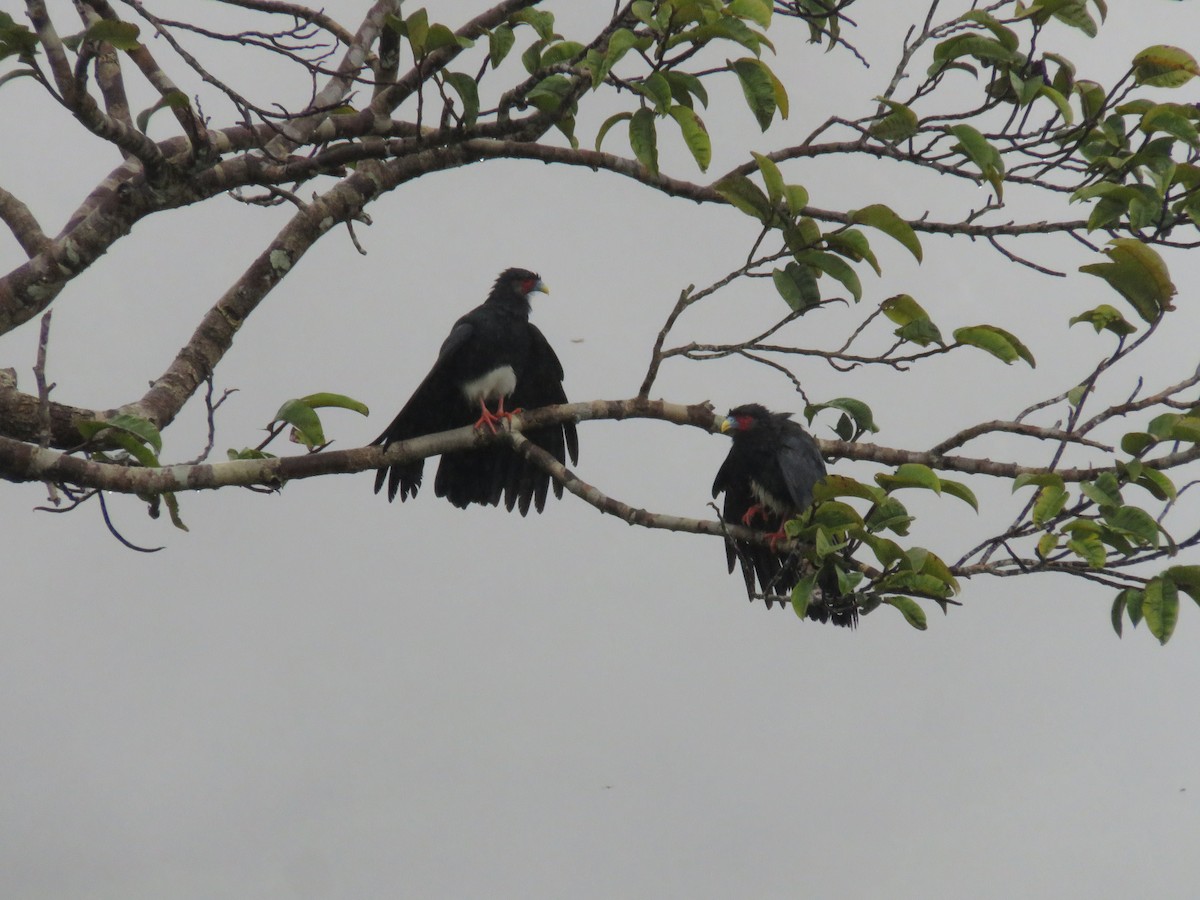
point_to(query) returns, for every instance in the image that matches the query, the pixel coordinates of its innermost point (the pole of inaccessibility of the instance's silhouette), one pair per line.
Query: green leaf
(1006, 36)
(622, 41)
(16, 40)
(248, 453)
(416, 29)
(1186, 578)
(797, 285)
(1105, 492)
(797, 199)
(440, 36)
(1134, 523)
(888, 552)
(1186, 428)
(757, 11)
(759, 87)
(561, 52)
(1135, 443)
(304, 420)
(609, 123)
(898, 125)
(726, 28)
(835, 267)
(832, 486)
(892, 515)
(974, 46)
(744, 194)
(1105, 318)
(1118, 609)
(644, 140)
(1138, 274)
(802, 595)
(771, 177)
(468, 91)
(915, 324)
(852, 244)
(1090, 549)
(657, 90)
(143, 430)
(1160, 606)
(961, 491)
(121, 35)
(1164, 66)
(643, 11)
(856, 409)
(695, 135)
(911, 610)
(835, 516)
(927, 562)
(1075, 14)
(1000, 343)
(1055, 97)
(173, 510)
(1134, 599)
(340, 401)
(975, 147)
(1049, 503)
(539, 20)
(500, 41)
(1047, 544)
(1040, 479)
(1172, 119)
(531, 59)
(550, 94)
(885, 219)
(910, 475)
(684, 86)
(1156, 483)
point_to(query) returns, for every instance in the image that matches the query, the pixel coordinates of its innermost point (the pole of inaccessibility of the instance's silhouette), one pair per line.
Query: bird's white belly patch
(491, 386)
(770, 501)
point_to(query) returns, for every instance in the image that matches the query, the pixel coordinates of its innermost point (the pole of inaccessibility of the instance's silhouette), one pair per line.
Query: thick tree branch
(23, 225)
(21, 462)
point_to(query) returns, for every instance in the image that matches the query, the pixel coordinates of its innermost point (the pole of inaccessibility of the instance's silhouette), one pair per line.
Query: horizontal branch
(21, 461)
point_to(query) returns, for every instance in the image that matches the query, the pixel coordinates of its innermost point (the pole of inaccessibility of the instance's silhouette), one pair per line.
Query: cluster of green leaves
(832, 531)
(667, 33)
(1093, 523)
(137, 442)
(16, 41)
(1140, 153)
(1157, 602)
(301, 414)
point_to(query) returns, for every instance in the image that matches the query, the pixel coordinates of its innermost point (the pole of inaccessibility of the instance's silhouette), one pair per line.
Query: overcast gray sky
(317, 694)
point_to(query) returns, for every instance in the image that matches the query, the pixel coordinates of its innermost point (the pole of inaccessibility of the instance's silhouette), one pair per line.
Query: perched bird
(769, 475)
(493, 356)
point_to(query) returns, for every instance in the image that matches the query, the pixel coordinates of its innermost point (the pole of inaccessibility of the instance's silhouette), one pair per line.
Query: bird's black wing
(436, 405)
(539, 384)
(801, 465)
(763, 571)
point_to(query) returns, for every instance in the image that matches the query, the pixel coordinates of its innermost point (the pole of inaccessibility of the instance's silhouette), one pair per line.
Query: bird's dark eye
(527, 285)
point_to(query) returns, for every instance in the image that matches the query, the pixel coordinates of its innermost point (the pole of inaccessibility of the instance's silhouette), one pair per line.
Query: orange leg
(775, 537)
(490, 419)
(755, 510)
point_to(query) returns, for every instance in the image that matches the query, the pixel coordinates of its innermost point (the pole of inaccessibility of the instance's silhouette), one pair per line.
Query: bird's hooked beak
(727, 424)
(541, 286)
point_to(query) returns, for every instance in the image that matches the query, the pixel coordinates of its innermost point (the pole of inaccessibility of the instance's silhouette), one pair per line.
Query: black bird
(493, 355)
(769, 474)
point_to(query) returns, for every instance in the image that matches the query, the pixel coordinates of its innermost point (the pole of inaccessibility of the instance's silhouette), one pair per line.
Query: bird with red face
(768, 478)
(493, 358)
